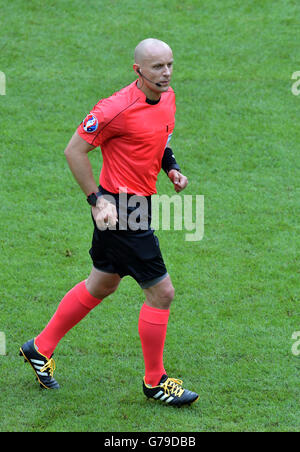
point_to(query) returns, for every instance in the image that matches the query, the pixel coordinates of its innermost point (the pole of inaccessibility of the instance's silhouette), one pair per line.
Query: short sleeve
(91, 127)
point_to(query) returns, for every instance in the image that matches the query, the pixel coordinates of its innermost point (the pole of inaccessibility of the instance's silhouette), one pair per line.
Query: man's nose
(166, 70)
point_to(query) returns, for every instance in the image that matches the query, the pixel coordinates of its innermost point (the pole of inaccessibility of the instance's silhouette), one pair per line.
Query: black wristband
(92, 198)
(168, 161)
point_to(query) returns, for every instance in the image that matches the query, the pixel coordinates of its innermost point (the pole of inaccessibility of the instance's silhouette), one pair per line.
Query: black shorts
(127, 252)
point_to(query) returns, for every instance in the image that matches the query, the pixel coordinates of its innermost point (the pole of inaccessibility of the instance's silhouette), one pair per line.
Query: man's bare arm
(76, 153)
(77, 156)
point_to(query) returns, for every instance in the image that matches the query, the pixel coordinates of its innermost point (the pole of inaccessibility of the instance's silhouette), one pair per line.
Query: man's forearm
(81, 169)
(76, 154)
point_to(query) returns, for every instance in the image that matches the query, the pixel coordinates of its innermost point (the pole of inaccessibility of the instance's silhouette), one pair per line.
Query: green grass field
(237, 140)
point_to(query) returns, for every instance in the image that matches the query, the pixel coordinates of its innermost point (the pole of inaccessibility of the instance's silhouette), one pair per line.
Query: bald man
(133, 129)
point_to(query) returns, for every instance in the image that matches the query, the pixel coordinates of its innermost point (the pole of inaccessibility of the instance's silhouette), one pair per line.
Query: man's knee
(161, 296)
(105, 291)
(101, 285)
(168, 294)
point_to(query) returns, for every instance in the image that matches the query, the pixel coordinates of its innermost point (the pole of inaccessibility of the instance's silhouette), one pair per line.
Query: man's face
(157, 66)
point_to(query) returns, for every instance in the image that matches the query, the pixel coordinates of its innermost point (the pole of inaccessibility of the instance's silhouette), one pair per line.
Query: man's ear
(136, 68)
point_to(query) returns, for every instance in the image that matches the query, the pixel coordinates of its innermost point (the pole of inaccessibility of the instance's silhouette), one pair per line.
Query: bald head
(149, 49)
(153, 62)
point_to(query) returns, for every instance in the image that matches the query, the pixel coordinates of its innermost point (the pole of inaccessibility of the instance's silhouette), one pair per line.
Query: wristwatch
(92, 198)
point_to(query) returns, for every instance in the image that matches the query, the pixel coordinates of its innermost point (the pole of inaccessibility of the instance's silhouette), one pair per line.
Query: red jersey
(132, 135)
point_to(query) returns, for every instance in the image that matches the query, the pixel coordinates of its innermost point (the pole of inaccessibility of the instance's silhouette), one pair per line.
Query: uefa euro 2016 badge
(90, 123)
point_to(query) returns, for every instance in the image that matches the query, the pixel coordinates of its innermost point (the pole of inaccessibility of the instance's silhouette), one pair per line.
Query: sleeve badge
(90, 123)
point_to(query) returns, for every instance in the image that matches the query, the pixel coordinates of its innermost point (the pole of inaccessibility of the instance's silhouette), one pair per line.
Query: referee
(133, 128)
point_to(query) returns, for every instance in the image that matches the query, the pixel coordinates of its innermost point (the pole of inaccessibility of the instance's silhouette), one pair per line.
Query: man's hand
(178, 179)
(105, 214)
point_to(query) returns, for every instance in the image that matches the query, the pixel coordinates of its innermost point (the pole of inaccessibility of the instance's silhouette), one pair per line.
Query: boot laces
(173, 386)
(49, 367)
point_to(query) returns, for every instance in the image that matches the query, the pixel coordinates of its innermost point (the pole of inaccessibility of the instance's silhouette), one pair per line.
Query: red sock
(153, 324)
(75, 305)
